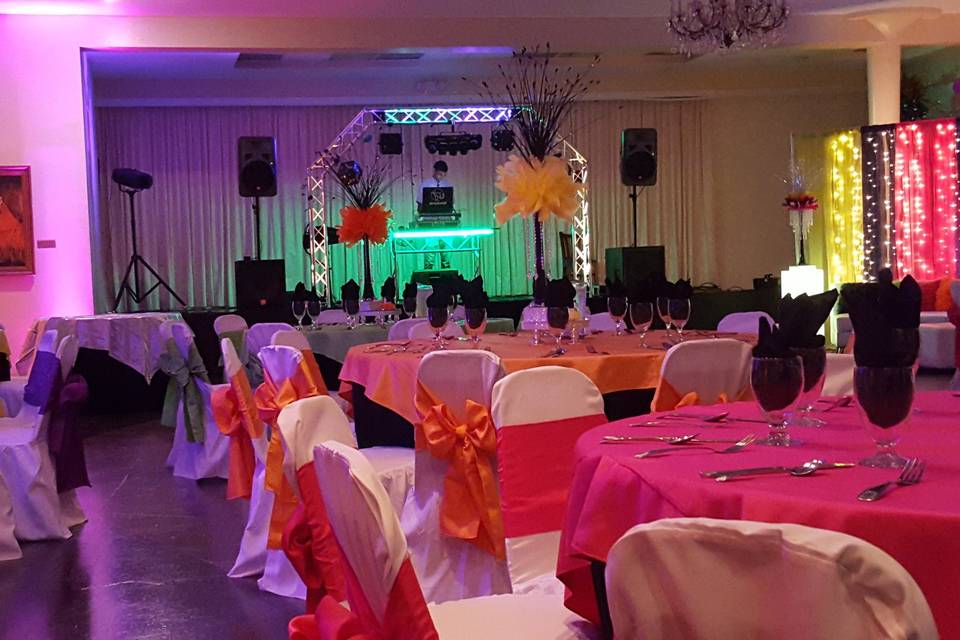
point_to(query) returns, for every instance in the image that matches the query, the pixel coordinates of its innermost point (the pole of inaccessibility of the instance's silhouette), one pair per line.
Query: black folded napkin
(802, 317)
(350, 290)
(681, 290)
(473, 295)
(771, 343)
(616, 288)
(300, 293)
(560, 293)
(388, 291)
(312, 295)
(410, 290)
(886, 321)
(4, 368)
(540, 288)
(441, 297)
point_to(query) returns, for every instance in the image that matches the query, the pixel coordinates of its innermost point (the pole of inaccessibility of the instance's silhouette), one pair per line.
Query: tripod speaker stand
(131, 183)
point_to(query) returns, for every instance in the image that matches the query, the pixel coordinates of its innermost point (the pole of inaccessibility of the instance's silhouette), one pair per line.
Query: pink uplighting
(99, 7)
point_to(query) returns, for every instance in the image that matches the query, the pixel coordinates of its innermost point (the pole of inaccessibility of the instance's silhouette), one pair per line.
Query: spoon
(740, 444)
(806, 469)
(667, 439)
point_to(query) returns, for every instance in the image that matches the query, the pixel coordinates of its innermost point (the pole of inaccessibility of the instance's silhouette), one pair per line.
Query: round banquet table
(918, 525)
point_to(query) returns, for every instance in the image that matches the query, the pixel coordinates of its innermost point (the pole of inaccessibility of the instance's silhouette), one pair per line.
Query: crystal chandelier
(706, 25)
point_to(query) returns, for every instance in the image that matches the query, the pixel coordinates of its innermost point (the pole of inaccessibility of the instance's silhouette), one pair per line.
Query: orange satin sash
(235, 412)
(667, 398)
(470, 509)
(313, 370)
(330, 621)
(270, 401)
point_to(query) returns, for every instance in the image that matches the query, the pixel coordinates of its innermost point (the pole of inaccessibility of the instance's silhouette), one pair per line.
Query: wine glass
(617, 306)
(438, 318)
(313, 310)
(641, 315)
(777, 384)
(410, 306)
(352, 309)
(814, 373)
(299, 309)
(558, 319)
(663, 310)
(885, 398)
(679, 312)
(475, 323)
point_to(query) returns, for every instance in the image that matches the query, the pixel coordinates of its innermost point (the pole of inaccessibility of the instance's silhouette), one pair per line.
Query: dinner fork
(737, 446)
(911, 474)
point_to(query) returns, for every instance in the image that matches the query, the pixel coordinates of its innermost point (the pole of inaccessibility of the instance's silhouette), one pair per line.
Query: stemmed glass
(558, 319)
(777, 384)
(313, 310)
(679, 311)
(814, 373)
(352, 308)
(410, 306)
(617, 306)
(663, 310)
(475, 323)
(641, 315)
(438, 318)
(885, 398)
(299, 309)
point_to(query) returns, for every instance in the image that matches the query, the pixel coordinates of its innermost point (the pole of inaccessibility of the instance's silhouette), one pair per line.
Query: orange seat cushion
(929, 291)
(944, 300)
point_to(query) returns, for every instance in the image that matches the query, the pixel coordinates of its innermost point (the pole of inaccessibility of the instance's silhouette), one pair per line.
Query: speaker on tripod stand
(257, 156)
(132, 182)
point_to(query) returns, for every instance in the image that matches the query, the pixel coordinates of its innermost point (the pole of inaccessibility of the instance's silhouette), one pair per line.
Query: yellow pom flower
(542, 188)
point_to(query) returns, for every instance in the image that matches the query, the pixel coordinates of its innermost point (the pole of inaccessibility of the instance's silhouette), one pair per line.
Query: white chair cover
(229, 322)
(708, 367)
(260, 335)
(423, 331)
(726, 580)
(9, 549)
(332, 316)
(838, 378)
(195, 460)
(602, 322)
(560, 393)
(400, 330)
(27, 468)
(449, 568)
(743, 322)
(11, 391)
(533, 317)
(374, 546)
(423, 292)
(290, 338)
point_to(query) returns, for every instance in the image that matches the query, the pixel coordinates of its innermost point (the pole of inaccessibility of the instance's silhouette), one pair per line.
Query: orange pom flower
(358, 224)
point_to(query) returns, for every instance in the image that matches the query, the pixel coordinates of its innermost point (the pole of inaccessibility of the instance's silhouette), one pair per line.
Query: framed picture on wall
(16, 221)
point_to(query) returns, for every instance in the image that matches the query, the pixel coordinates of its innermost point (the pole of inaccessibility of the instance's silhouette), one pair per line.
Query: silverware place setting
(807, 468)
(722, 416)
(734, 448)
(911, 474)
(668, 439)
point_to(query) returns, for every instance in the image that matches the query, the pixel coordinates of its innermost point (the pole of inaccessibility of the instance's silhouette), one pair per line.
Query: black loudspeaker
(433, 278)
(638, 157)
(632, 265)
(260, 283)
(391, 144)
(257, 162)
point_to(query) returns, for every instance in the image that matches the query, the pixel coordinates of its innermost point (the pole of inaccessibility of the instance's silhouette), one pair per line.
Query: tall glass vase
(536, 256)
(367, 275)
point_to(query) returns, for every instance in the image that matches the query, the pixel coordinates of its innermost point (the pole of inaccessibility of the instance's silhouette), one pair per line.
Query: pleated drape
(193, 224)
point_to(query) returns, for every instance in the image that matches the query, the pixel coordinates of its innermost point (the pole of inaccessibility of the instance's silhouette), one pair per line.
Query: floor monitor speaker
(633, 265)
(260, 283)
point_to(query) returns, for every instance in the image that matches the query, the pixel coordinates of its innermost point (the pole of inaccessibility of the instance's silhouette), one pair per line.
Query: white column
(883, 82)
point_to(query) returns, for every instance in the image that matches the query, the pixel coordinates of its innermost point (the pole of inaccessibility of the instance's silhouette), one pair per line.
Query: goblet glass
(679, 312)
(814, 373)
(885, 398)
(410, 306)
(475, 323)
(663, 310)
(352, 309)
(558, 319)
(438, 318)
(617, 306)
(313, 310)
(299, 308)
(777, 384)
(641, 315)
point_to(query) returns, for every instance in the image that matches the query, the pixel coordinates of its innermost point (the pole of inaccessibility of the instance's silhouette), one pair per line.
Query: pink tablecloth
(919, 526)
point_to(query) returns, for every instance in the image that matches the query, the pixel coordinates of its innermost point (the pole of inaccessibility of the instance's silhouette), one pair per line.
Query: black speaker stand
(633, 198)
(136, 261)
(256, 223)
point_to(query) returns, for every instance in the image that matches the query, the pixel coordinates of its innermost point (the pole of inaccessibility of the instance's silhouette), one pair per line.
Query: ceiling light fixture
(702, 26)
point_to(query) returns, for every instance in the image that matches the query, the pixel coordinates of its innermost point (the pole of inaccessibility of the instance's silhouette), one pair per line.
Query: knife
(736, 473)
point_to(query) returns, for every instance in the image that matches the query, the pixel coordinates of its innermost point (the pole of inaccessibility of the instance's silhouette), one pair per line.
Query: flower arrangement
(800, 201)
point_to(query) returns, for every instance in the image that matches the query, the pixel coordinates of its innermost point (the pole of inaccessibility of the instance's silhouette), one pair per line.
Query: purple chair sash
(45, 378)
(64, 436)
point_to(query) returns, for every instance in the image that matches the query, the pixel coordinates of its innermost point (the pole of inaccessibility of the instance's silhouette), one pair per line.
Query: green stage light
(442, 233)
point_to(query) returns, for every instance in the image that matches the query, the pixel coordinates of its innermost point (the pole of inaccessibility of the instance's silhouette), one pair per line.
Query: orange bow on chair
(667, 398)
(270, 401)
(331, 621)
(470, 509)
(235, 413)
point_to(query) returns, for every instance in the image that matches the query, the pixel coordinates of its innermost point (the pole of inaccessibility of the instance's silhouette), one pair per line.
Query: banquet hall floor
(150, 563)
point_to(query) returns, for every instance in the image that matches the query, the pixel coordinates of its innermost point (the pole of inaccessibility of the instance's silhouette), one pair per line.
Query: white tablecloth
(130, 338)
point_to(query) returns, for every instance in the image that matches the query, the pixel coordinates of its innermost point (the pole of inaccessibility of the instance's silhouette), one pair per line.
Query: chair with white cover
(260, 335)
(733, 579)
(400, 330)
(602, 322)
(387, 597)
(229, 322)
(539, 414)
(11, 391)
(423, 331)
(743, 322)
(25, 461)
(703, 372)
(31, 343)
(190, 458)
(838, 377)
(9, 548)
(449, 568)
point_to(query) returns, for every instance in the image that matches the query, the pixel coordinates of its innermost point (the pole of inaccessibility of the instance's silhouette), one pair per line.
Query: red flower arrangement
(800, 200)
(364, 224)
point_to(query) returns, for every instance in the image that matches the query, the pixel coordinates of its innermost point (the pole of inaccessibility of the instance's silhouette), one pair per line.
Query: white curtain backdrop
(192, 225)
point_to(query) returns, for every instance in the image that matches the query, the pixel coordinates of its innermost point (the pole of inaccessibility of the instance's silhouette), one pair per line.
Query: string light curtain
(843, 211)
(925, 170)
(879, 154)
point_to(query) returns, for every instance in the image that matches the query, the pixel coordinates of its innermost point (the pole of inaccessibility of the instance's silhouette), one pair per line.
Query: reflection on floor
(150, 563)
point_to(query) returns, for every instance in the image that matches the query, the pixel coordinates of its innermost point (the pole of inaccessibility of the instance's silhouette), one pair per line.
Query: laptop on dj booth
(436, 200)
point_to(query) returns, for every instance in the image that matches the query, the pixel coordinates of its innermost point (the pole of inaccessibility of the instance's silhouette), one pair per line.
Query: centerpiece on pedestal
(800, 205)
(365, 219)
(535, 180)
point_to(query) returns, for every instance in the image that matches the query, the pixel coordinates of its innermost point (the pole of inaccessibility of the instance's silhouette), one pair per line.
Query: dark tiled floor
(150, 563)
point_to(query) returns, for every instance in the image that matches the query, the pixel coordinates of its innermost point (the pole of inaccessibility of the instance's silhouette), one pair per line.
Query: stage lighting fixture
(453, 143)
(349, 172)
(501, 139)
